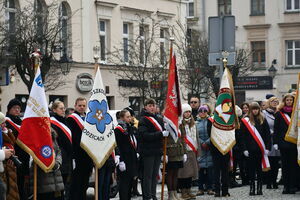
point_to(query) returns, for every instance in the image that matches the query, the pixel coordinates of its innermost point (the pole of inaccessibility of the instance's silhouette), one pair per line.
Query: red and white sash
(286, 118)
(13, 124)
(78, 120)
(155, 123)
(132, 138)
(189, 141)
(258, 139)
(63, 127)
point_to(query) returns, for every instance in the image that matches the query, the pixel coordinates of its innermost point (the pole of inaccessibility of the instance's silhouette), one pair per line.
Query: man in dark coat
(13, 113)
(83, 163)
(151, 139)
(195, 104)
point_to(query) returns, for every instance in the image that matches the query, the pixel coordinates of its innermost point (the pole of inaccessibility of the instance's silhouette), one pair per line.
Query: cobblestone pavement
(237, 194)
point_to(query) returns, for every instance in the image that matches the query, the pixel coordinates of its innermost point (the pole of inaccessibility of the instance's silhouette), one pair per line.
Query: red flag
(35, 133)
(173, 103)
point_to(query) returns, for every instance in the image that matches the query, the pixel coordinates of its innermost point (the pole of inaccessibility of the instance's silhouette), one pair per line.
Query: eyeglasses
(194, 102)
(202, 111)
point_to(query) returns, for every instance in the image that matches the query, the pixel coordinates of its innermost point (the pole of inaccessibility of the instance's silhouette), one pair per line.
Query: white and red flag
(35, 134)
(173, 102)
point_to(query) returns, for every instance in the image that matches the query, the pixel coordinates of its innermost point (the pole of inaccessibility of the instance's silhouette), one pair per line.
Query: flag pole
(165, 138)
(36, 63)
(34, 181)
(96, 183)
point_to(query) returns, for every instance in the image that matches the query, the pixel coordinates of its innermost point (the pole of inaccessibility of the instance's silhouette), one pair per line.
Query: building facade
(108, 24)
(270, 29)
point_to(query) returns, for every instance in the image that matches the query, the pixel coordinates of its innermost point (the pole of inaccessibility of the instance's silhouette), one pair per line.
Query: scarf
(287, 109)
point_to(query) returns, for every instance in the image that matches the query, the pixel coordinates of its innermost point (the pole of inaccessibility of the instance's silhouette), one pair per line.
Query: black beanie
(12, 103)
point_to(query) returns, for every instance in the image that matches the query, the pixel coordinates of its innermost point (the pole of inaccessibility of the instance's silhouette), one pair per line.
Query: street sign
(221, 38)
(253, 83)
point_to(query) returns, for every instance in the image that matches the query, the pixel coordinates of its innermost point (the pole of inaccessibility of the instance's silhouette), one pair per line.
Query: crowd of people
(192, 159)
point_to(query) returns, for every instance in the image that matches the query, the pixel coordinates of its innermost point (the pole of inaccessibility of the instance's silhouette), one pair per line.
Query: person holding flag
(151, 131)
(83, 163)
(13, 122)
(255, 142)
(222, 132)
(288, 149)
(36, 137)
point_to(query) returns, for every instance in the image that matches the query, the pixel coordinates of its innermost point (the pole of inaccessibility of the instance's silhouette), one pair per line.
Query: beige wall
(273, 34)
(85, 36)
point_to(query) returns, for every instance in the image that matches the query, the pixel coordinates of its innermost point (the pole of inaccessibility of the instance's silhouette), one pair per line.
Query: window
(103, 38)
(10, 13)
(142, 44)
(39, 9)
(259, 54)
(257, 7)
(292, 5)
(224, 7)
(126, 42)
(163, 45)
(293, 52)
(190, 8)
(65, 31)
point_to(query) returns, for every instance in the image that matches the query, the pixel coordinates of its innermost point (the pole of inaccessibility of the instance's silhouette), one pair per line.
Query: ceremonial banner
(173, 103)
(35, 134)
(292, 135)
(223, 128)
(98, 138)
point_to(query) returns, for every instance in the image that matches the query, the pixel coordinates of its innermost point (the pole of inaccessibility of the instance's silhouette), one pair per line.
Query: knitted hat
(268, 96)
(186, 107)
(13, 102)
(2, 118)
(203, 107)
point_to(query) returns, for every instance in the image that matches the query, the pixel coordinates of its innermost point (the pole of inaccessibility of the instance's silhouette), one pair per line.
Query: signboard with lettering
(253, 83)
(84, 82)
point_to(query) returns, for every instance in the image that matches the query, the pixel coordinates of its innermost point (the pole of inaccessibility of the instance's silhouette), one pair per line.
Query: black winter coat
(22, 155)
(151, 139)
(248, 142)
(127, 150)
(78, 153)
(280, 129)
(65, 146)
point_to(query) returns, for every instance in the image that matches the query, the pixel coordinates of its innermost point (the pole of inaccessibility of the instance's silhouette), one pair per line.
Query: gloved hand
(184, 158)
(275, 146)
(137, 155)
(122, 166)
(117, 160)
(162, 159)
(246, 153)
(267, 152)
(165, 133)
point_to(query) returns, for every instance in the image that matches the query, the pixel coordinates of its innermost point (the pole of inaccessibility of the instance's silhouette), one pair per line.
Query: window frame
(142, 44)
(292, 6)
(102, 34)
(126, 36)
(226, 4)
(257, 10)
(190, 3)
(259, 51)
(293, 49)
(65, 52)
